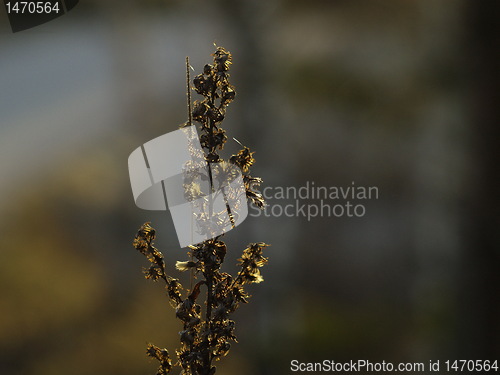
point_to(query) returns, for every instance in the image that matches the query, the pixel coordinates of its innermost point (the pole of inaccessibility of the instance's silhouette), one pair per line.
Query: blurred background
(401, 95)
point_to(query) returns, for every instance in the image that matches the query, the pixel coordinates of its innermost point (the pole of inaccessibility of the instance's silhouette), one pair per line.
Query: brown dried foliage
(207, 337)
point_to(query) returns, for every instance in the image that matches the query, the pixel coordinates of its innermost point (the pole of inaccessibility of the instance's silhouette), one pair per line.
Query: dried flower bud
(162, 356)
(199, 110)
(203, 85)
(250, 263)
(256, 198)
(222, 59)
(228, 96)
(208, 69)
(215, 115)
(153, 272)
(174, 290)
(243, 159)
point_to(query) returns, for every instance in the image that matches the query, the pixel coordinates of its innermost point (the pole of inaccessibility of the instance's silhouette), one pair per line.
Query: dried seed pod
(199, 110)
(208, 69)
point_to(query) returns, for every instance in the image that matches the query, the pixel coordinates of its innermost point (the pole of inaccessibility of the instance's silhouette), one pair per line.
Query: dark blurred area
(400, 95)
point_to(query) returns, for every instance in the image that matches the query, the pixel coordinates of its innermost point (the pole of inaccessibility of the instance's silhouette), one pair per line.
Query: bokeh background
(401, 95)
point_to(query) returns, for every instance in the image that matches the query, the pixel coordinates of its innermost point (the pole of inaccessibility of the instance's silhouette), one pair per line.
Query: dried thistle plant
(207, 335)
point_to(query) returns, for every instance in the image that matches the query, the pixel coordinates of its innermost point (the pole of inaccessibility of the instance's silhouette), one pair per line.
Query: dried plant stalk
(207, 337)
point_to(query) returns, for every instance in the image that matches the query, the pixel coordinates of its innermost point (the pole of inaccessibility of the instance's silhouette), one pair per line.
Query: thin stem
(188, 91)
(190, 122)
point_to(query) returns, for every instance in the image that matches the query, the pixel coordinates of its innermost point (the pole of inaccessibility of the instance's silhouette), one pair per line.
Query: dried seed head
(208, 69)
(222, 59)
(243, 159)
(162, 356)
(153, 272)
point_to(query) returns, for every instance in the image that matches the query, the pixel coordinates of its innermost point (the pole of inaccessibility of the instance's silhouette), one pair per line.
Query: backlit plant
(207, 332)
